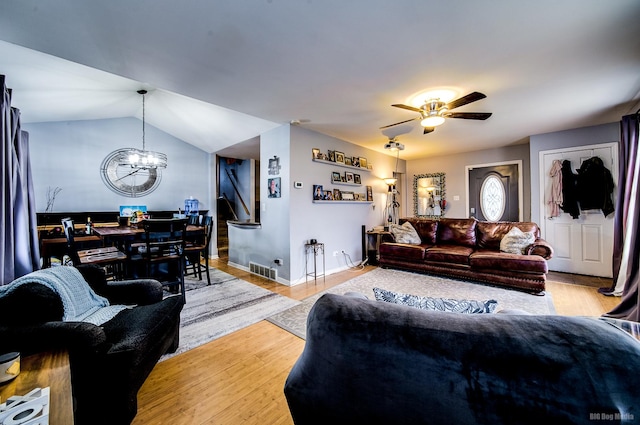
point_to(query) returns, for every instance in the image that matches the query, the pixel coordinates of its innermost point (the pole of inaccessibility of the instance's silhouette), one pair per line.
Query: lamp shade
(432, 121)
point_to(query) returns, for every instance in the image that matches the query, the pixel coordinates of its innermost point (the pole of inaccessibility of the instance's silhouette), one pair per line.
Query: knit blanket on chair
(80, 302)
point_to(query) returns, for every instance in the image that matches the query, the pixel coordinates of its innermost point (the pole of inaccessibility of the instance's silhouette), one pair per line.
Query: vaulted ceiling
(221, 72)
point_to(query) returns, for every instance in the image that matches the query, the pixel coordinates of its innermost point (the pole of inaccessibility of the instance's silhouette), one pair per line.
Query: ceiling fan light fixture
(432, 121)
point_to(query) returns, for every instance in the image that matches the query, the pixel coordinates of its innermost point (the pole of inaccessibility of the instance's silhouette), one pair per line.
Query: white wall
(69, 154)
(584, 136)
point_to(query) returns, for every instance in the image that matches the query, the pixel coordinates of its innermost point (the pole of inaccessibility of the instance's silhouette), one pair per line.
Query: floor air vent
(264, 271)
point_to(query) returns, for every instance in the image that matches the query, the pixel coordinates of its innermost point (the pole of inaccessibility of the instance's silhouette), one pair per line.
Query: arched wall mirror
(429, 195)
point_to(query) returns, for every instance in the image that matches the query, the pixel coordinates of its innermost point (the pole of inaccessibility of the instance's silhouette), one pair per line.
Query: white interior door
(583, 245)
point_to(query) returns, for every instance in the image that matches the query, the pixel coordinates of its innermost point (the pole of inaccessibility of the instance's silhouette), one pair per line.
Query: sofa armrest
(138, 291)
(540, 247)
(73, 336)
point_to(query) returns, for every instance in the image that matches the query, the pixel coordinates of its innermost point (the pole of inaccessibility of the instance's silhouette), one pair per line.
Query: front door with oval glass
(494, 192)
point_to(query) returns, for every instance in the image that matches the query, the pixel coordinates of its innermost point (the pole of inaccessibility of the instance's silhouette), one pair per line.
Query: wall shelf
(342, 202)
(339, 164)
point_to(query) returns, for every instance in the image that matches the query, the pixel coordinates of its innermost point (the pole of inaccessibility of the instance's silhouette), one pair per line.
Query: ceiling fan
(434, 111)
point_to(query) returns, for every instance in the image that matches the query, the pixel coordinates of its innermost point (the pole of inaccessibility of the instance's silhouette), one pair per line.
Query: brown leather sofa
(470, 249)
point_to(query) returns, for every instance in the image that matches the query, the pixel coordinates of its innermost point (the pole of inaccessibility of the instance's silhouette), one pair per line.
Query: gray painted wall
(288, 222)
(69, 154)
(584, 136)
(454, 168)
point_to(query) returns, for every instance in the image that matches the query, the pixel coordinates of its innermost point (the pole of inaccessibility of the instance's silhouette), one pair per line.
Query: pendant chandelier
(144, 159)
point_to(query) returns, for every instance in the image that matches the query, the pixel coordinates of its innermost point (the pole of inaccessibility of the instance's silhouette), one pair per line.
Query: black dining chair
(197, 248)
(110, 258)
(162, 252)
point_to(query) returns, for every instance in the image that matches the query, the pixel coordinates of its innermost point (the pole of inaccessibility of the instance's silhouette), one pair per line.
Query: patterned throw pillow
(438, 304)
(405, 233)
(516, 241)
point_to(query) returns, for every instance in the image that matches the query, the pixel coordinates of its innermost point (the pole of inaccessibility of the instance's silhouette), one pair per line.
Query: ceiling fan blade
(471, 97)
(428, 130)
(398, 123)
(469, 115)
(410, 108)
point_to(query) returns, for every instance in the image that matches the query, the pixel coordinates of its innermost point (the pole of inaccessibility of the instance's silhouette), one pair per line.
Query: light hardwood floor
(238, 379)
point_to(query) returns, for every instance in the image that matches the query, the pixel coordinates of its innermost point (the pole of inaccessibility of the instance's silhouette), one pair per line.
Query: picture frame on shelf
(355, 161)
(348, 161)
(336, 195)
(369, 193)
(363, 162)
(331, 156)
(347, 196)
(328, 195)
(357, 179)
(336, 177)
(314, 153)
(318, 193)
(339, 157)
(348, 177)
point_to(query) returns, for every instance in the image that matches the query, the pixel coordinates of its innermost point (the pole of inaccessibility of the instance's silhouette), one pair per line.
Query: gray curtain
(19, 248)
(626, 242)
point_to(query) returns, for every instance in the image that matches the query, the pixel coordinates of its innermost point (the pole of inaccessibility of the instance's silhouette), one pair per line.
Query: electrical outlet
(336, 253)
(279, 261)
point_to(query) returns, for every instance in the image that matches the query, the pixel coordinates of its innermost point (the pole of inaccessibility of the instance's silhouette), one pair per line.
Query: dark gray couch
(372, 362)
(109, 363)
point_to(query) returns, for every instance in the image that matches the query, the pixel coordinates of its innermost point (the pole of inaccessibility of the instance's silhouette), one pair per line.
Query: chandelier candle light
(144, 159)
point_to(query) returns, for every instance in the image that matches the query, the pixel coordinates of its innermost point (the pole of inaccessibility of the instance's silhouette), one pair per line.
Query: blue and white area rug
(294, 319)
(225, 306)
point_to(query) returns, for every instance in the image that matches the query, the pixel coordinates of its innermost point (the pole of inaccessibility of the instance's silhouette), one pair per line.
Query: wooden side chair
(111, 259)
(197, 249)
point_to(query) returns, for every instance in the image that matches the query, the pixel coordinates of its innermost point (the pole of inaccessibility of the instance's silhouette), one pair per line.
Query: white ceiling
(221, 72)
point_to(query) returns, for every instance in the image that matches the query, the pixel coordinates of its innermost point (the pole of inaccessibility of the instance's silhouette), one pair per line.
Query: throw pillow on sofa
(515, 241)
(438, 304)
(405, 233)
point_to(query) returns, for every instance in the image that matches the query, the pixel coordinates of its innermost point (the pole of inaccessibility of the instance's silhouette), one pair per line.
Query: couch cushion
(405, 233)
(426, 228)
(436, 304)
(516, 241)
(402, 251)
(489, 234)
(490, 260)
(448, 254)
(457, 231)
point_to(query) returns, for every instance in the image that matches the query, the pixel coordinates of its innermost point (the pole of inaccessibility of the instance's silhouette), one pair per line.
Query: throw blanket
(80, 302)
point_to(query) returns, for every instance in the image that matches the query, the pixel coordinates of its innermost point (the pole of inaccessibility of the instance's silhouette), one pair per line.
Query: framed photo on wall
(274, 187)
(348, 160)
(315, 152)
(339, 157)
(336, 177)
(356, 179)
(318, 193)
(369, 193)
(336, 195)
(363, 162)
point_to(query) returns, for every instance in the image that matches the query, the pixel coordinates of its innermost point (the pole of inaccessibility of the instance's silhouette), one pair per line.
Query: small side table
(314, 250)
(48, 369)
(374, 238)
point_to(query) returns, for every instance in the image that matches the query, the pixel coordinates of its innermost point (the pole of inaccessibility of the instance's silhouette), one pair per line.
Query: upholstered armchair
(109, 362)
